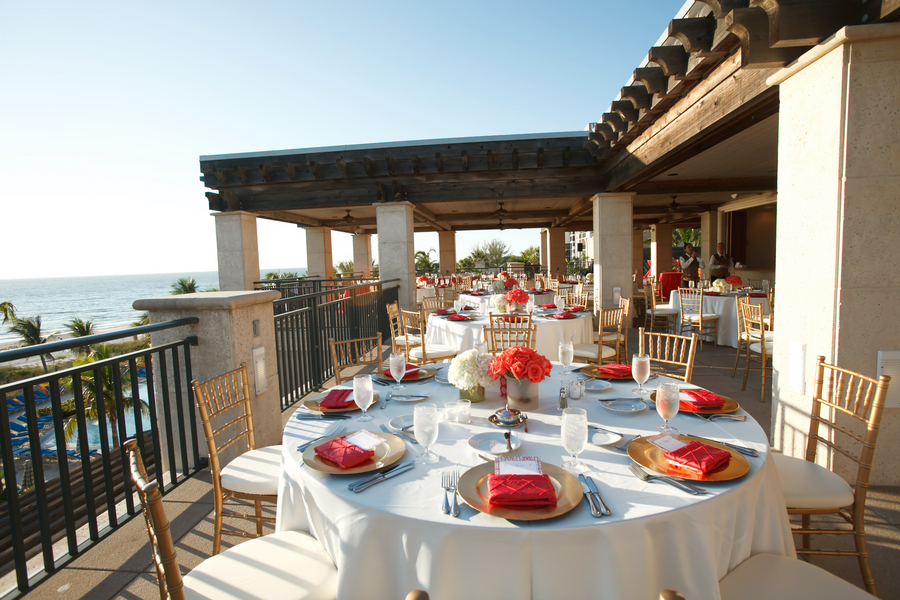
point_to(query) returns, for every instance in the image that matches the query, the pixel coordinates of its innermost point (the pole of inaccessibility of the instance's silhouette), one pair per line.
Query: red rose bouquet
(510, 283)
(423, 280)
(520, 362)
(518, 296)
(734, 280)
(503, 275)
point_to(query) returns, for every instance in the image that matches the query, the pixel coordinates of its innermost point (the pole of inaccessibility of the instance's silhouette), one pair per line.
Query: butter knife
(359, 482)
(383, 476)
(596, 494)
(595, 512)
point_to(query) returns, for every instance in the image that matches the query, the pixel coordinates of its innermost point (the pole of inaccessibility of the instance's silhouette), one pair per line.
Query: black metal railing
(305, 323)
(71, 497)
(529, 269)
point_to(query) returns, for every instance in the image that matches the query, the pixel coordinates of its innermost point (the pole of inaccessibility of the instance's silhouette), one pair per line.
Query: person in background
(691, 263)
(720, 264)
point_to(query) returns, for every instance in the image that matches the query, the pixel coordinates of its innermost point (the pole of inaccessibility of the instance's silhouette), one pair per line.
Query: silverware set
(305, 416)
(368, 482)
(399, 432)
(449, 482)
(718, 416)
(641, 474)
(592, 495)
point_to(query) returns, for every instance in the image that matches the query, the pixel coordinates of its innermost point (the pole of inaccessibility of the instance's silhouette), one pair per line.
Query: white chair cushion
(590, 351)
(808, 485)
(254, 472)
(770, 337)
(282, 565)
(774, 577)
(434, 351)
(413, 339)
(662, 312)
(610, 337)
(757, 348)
(706, 317)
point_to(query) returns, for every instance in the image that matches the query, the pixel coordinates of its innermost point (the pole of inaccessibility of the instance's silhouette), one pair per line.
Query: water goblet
(667, 399)
(425, 427)
(640, 370)
(398, 369)
(363, 395)
(574, 437)
(566, 356)
(559, 302)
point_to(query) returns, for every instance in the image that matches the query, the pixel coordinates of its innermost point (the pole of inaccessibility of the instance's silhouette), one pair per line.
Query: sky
(105, 107)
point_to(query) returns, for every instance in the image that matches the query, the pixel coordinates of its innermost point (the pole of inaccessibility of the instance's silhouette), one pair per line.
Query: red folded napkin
(576, 308)
(343, 453)
(520, 491)
(533, 289)
(457, 318)
(548, 306)
(336, 399)
(441, 311)
(758, 295)
(467, 307)
(698, 458)
(615, 370)
(564, 315)
(411, 371)
(514, 319)
(476, 293)
(700, 400)
(710, 293)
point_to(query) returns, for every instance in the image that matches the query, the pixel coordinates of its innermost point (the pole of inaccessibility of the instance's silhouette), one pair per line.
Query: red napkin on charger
(533, 289)
(336, 399)
(476, 293)
(698, 458)
(548, 306)
(700, 400)
(577, 308)
(457, 318)
(615, 370)
(467, 307)
(710, 293)
(758, 295)
(411, 371)
(441, 311)
(343, 453)
(564, 315)
(520, 491)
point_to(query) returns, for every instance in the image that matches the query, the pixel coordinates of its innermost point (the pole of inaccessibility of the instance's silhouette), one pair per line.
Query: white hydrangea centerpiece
(470, 369)
(498, 301)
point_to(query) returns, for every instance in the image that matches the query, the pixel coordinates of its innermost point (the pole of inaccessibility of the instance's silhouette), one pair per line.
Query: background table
(393, 537)
(726, 307)
(668, 282)
(550, 332)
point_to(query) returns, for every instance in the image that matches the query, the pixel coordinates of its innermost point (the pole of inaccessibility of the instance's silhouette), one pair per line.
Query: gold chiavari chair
(423, 353)
(857, 402)
(578, 299)
(770, 295)
(552, 284)
(399, 338)
(693, 317)
(433, 303)
(354, 353)
(597, 352)
(757, 347)
(669, 350)
(625, 305)
(743, 337)
(654, 315)
(240, 571)
(775, 576)
(499, 339)
(509, 321)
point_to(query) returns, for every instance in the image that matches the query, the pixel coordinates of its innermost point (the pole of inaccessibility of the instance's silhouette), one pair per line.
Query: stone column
(447, 251)
(660, 249)
(556, 252)
(545, 257)
(226, 338)
(362, 254)
(838, 227)
(637, 257)
(709, 236)
(613, 241)
(237, 250)
(396, 248)
(319, 262)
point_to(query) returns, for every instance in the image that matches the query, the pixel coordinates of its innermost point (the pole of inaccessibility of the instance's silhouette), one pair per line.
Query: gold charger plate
(729, 407)
(423, 374)
(591, 371)
(473, 489)
(386, 454)
(647, 455)
(313, 405)
(467, 318)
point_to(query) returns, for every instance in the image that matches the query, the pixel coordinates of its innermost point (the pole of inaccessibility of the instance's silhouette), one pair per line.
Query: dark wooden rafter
(267, 173)
(720, 8)
(243, 174)
(515, 159)
(490, 160)
(417, 168)
(751, 26)
(638, 95)
(695, 34)
(698, 186)
(342, 167)
(616, 121)
(464, 157)
(793, 23)
(221, 176)
(399, 192)
(653, 78)
(625, 109)
(567, 156)
(673, 60)
(293, 171)
(540, 158)
(381, 192)
(439, 160)
(389, 163)
(368, 166)
(316, 169)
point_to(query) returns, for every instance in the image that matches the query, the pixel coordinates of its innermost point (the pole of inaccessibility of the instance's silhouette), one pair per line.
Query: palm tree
(423, 262)
(80, 328)
(344, 266)
(144, 320)
(29, 329)
(89, 383)
(9, 311)
(184, 285)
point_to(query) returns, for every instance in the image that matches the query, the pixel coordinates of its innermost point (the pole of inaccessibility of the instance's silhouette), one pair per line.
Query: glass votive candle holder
(463, 410)
(450, 411)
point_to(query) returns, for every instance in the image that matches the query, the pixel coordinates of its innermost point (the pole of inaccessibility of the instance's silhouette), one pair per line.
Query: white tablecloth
(393, 538)
(726, 308)
(550, 332)
(424, 292)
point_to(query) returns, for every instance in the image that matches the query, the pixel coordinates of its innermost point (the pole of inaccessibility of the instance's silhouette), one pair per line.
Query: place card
(666, 442)
(364, 440)
(517, 465)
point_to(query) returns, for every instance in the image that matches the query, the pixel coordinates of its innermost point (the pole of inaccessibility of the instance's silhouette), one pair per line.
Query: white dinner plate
(603, 438)
(596, 385)
(493, 443)
(398, 423)
(626, 405)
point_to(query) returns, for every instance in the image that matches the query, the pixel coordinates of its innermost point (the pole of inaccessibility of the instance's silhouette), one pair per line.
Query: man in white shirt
(691, 263)
(720, 264)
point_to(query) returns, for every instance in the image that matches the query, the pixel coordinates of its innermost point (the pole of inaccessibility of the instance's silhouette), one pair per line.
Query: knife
(742, 449)
(595, 512)
(594, 491)
(376, 475)
(382, 476)
(316, 417)
(410, 396)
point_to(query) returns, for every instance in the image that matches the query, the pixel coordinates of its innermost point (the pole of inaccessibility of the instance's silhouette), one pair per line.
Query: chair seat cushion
(610, 337)
(757, 348)
(282, 565)
(808, 485)
(400, 340)
(254, 472)
(696, 317)
(590, 351)
(662, 312)
(433, 351)
(775, 577)
(770, 337)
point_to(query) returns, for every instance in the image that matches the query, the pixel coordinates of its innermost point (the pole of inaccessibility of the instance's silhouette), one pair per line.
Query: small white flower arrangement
(498, 301)
(470, 369)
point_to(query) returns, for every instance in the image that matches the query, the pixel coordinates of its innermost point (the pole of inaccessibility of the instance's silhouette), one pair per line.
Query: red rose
(535, 373)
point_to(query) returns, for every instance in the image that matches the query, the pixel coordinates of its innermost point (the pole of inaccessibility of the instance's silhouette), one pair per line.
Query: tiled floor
(120, 566)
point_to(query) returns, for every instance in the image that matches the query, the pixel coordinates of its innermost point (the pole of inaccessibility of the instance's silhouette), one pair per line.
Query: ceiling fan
(348, 218)
(677, 212)
(502, 213)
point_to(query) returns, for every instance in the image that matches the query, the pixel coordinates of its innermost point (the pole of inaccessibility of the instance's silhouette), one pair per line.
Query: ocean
(106, 299)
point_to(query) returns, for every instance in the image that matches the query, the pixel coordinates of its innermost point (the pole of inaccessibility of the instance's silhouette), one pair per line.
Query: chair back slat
(393, 311)
(226, 396)
(669, 349)
(503, 338)
(354, 353)
(509, 321)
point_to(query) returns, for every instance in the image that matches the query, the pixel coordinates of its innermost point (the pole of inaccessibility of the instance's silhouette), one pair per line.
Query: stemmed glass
(363, 395)
(566, 356)
(667, 398)
(640, 370)
(398, 370)
(574, 437)
(559, 302)
(425, 427)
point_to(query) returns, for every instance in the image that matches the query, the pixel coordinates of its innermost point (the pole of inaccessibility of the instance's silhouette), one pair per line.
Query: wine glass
(425, 427)
(398, 369)
(667, 398)
(566, 356)
(640, 370)
(559, 302)
(363, 395)
(574, 437)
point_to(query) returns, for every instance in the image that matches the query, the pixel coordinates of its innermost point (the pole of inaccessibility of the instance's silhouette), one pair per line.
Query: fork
(721, 416)
(337, 431)
(445, 483)
(684, 487)
(402, 434)
(454, 482)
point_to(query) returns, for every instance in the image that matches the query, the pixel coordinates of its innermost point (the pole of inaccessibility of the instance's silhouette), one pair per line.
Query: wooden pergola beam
(698, 186)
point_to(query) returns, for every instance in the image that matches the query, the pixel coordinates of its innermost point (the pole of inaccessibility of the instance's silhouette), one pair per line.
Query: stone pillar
(709, 236)
(362, 254)
(319, 262)
(237, 250)
(613, 241)
(637, 258)
(556, 252)
(226, 338)
(396, 248)
(837, 226)
(447, 251)
(660, 249)
(545, 257)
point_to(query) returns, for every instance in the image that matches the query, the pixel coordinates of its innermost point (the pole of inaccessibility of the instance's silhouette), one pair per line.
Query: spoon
(508, 441)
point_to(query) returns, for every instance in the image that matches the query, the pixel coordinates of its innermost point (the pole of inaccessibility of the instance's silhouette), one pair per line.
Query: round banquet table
(463, 335)
(725, 306)
(393, 537)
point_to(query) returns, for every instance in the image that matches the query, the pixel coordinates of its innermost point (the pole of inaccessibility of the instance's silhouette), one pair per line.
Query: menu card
(364, 440)
(666, 442)
(517, 465)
